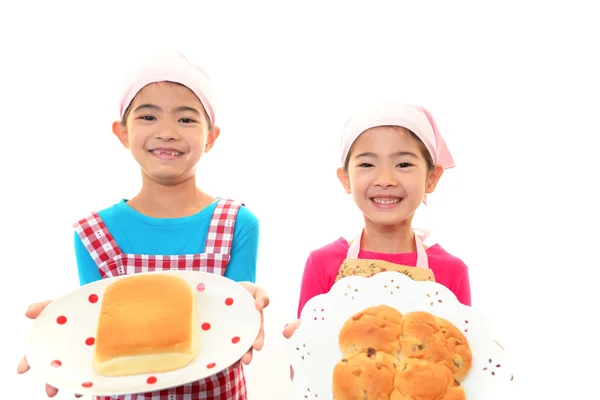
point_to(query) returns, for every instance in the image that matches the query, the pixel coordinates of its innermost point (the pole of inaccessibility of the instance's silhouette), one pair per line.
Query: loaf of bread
(147, 324)
(390, 356)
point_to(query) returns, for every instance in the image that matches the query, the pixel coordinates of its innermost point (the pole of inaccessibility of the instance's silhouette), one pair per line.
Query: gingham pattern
(229, 384)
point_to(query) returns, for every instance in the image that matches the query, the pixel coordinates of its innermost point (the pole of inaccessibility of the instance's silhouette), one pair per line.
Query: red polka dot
(90, 341)
(151, 380)
(93, 298)
(61, 320)
(56, 364)
(205, 326)
(229, 301)
(211, 365)
(235, 340)
(87, 384)
(201, 287)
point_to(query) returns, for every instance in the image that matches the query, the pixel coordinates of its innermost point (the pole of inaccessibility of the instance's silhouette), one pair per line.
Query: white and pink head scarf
(414, 118)
(171, 67)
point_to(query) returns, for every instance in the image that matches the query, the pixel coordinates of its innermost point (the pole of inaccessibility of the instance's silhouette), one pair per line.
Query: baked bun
(423, 339)
(418, 379)
(367, 375)
(456, 342)
(378, 328)
(147, 324)
(418, 355)
(437, 340)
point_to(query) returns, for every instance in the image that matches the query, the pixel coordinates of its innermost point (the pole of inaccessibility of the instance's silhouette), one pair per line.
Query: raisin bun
(367, 375)
(378, 328)
(418, 379)
(462, 358)
(434, 339)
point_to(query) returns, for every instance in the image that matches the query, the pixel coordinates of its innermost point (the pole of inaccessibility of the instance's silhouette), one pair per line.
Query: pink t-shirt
(323, 264)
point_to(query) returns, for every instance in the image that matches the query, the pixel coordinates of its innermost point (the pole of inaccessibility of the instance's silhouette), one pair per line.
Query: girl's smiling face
(388, 173)
(167, 131)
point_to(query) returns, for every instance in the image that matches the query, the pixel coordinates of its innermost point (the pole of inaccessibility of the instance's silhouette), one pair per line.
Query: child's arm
(312, 285)
(463, 289)
(244, 250)
(312, 282)
(86, 267)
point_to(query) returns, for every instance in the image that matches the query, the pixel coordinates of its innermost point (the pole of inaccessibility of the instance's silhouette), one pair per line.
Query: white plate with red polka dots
(62, 339)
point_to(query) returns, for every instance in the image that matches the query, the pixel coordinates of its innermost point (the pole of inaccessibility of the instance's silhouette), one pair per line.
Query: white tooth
(170, 153)
(386, 201)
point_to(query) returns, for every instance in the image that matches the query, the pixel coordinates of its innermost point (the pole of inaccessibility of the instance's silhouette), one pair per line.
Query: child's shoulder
(246, 217)
(114, 211)
(440, 257)
(338, 249)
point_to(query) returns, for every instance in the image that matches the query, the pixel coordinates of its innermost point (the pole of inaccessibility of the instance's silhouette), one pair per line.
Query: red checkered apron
(229, 384)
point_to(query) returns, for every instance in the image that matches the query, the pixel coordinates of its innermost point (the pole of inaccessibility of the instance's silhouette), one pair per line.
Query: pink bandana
(172, 67)
(416, 119)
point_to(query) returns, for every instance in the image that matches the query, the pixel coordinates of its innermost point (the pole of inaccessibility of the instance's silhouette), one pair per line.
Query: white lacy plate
(314, 349)
(61, 341)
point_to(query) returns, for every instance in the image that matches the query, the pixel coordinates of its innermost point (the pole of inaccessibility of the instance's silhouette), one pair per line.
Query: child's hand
(32, 312)
(261, 301)
(288, 331)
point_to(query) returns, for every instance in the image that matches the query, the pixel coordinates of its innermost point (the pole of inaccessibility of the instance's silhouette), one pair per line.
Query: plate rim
(105, 282)
(332, 297)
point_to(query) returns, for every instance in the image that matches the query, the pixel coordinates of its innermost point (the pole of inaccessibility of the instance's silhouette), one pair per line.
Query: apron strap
(422, 260)
(97, 239)
(219, 239)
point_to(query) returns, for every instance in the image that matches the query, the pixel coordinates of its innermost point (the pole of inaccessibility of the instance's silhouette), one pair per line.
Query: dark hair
(128, 109)
(424, 151)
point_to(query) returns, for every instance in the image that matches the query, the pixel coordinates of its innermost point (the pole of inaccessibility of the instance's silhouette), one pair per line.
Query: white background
(514, 87)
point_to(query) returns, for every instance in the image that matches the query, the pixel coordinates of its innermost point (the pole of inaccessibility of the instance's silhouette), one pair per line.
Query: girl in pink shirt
(392, 157)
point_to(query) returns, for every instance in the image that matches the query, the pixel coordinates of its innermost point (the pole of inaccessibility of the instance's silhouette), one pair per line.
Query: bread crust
(378, 328)
(147, 324)
(368, 373)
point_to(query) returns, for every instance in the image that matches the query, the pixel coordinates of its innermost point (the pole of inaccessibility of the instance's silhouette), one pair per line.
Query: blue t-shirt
(136, 233)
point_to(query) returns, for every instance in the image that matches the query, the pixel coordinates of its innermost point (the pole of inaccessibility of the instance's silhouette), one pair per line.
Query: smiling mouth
(386, 200)
(171, 153)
